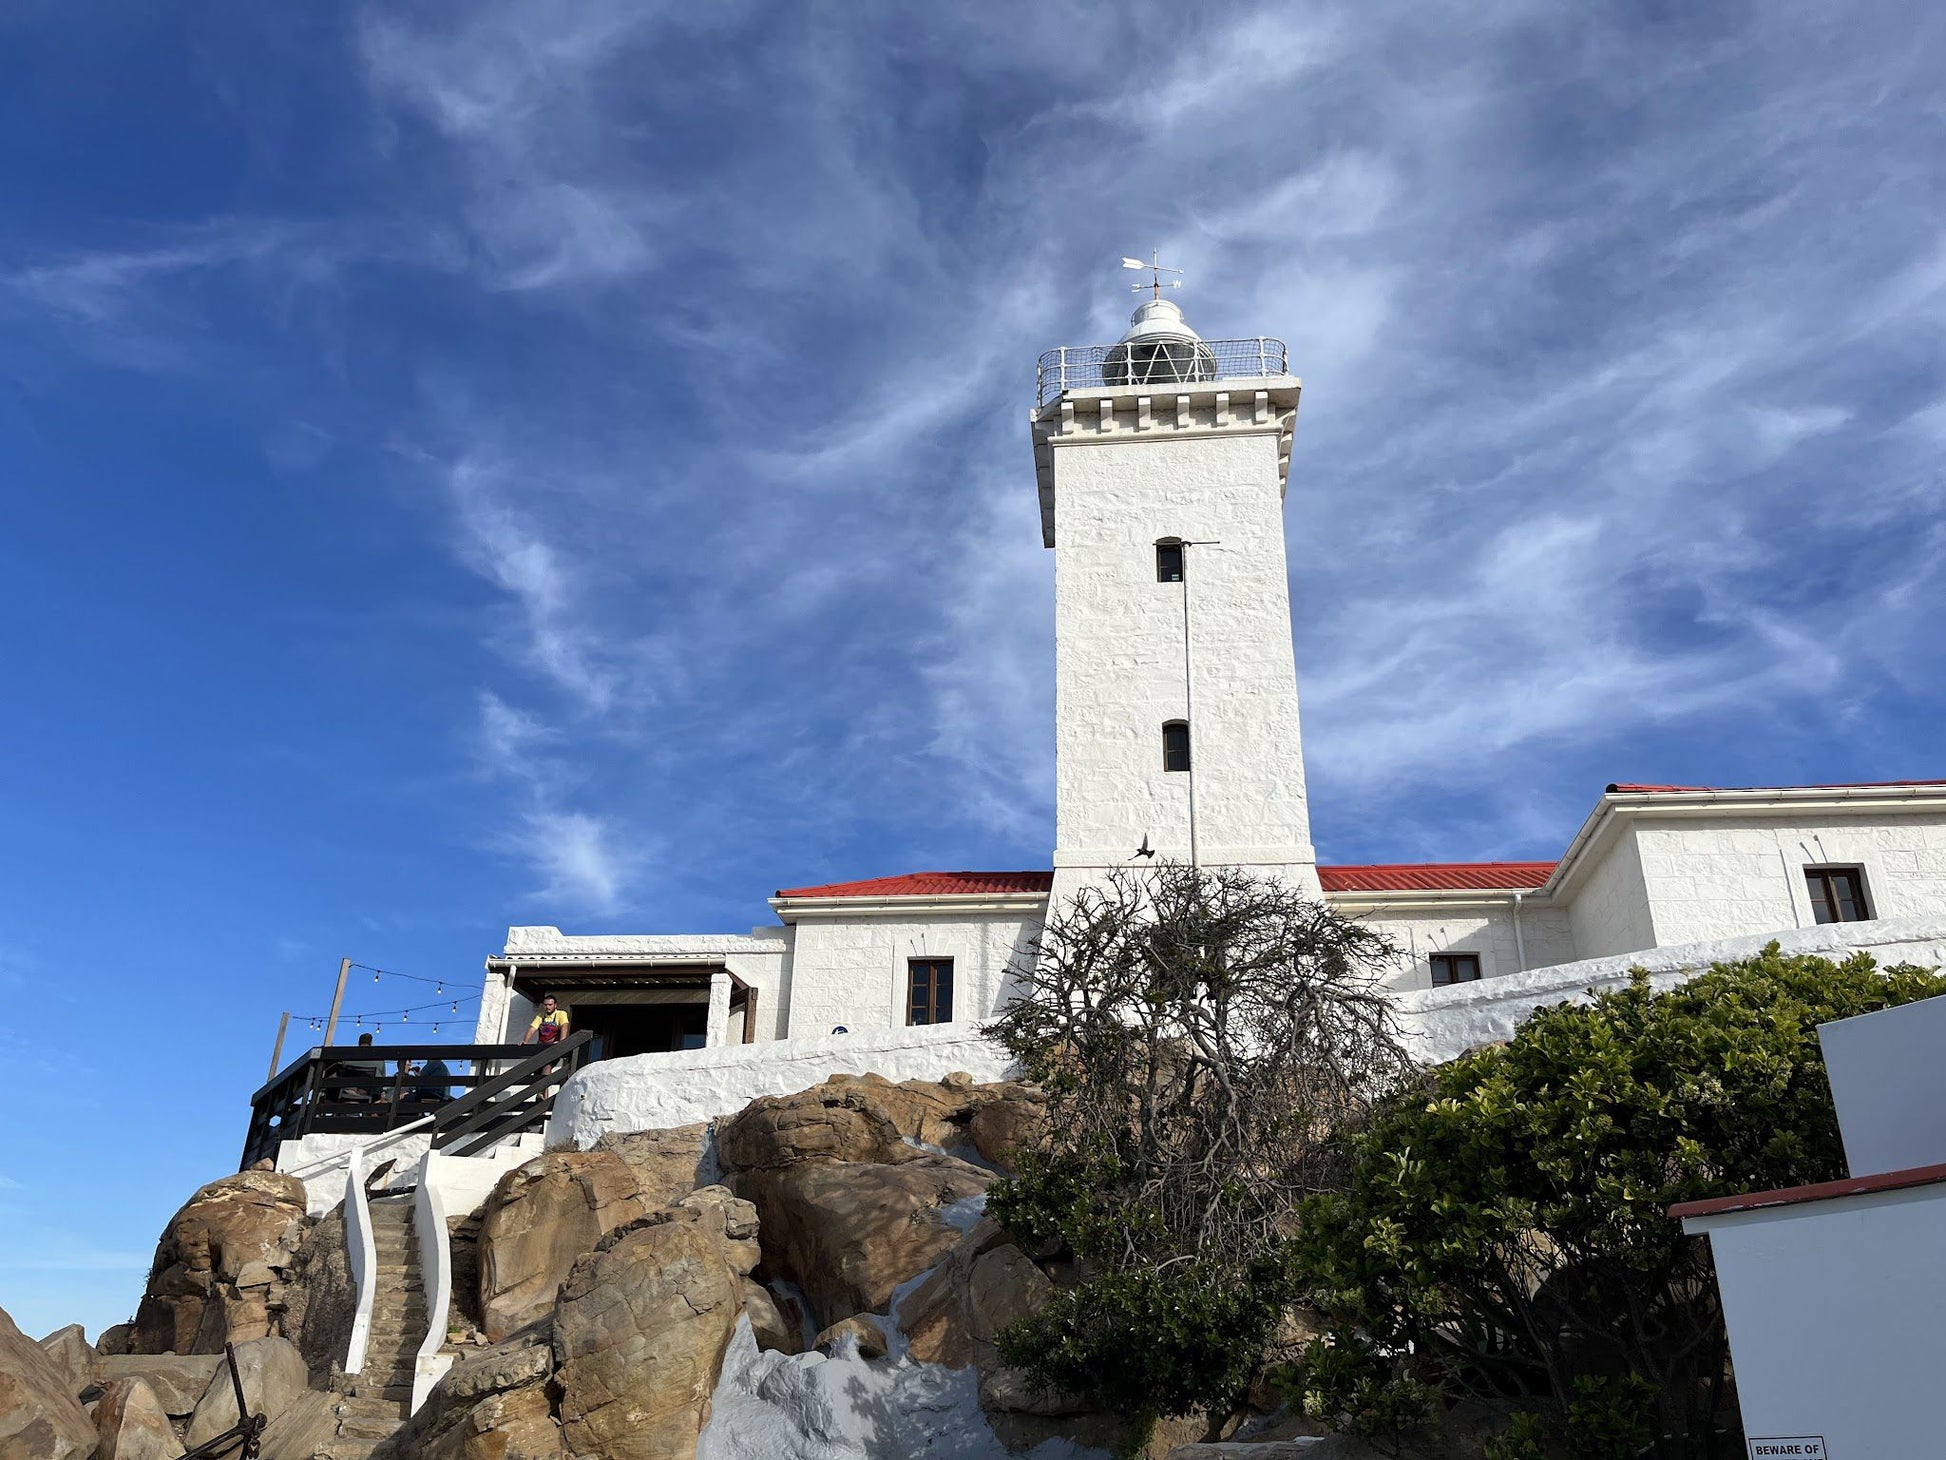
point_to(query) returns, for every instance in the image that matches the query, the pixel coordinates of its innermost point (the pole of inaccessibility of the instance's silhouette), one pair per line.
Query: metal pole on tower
(1189, 702)
(338, 998)
(1189, 689)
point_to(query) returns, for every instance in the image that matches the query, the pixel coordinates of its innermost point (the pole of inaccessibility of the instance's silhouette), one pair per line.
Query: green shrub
(1505, 1229)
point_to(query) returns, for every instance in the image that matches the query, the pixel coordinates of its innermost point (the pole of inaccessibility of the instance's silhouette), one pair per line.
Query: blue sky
(484, 463)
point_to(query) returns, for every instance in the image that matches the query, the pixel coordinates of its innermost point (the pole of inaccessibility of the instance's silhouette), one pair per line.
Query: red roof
(1635, 790)
(1436, 876)
(931, 884)
(1791, 1196)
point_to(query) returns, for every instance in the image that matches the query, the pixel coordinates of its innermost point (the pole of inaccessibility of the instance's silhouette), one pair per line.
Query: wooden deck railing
(490, 1091)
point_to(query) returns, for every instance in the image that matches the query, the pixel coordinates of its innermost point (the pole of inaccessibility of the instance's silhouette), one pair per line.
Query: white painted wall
(852, 970)
(658, 1091)
(1608, 908)
(1833, 1314)
(1483, 928)
(1718, 876)
(1441, 1024)
(1889, 1085)
(1119, 640)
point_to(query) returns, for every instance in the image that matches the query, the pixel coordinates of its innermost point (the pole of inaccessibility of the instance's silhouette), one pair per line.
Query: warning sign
(1796, 1447)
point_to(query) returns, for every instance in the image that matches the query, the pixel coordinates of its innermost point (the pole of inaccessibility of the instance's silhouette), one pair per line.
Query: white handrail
(435, 1275)
(362, 1251)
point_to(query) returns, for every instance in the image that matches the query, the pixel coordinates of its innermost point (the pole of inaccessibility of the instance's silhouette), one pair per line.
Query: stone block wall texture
(1717, 877)
(1609, 912)
(1119, 649)
(853, 972)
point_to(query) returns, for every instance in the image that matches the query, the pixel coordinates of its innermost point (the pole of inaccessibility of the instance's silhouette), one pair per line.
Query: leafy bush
(1505, 1230)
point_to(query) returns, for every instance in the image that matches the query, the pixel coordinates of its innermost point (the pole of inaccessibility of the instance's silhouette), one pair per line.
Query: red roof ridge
(1629, 788)
(1436, 876)
(930, 884)
(1790, 1196)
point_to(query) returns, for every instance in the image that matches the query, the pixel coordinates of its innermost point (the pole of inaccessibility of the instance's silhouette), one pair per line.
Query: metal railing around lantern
(1158, 361)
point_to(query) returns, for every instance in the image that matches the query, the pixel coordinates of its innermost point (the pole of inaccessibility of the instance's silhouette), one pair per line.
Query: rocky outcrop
(639, 1334)
(132, 1425)
(666, 1163)
(986, 1283)
(39, 1418)
(273, 1374)
(492, 1405)
(69, 1349)
(866, 1338)
(321, 1299)
(544, 1215)
(851, 1185)
(1008, 1121)
(770, 1325)
(221, 1266)
(178, 1380)
(867, 1118)
(848, 1233)
(304, 1429)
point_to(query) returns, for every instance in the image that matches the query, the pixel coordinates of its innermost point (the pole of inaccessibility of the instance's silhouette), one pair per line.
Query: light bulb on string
(374, 975)
(455, 1006)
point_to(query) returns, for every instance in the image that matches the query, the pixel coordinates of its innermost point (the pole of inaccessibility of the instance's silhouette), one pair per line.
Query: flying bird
(1145, 850)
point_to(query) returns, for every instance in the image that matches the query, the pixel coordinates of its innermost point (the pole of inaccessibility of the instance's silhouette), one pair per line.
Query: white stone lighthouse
(1162, 463)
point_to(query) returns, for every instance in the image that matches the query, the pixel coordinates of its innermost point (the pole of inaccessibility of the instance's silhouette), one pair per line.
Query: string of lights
(439, 984)
(374, 1019)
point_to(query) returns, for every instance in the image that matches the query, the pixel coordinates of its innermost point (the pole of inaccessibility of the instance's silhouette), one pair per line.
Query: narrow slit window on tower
(1168, 560)
(929, 991)
(1175, 745)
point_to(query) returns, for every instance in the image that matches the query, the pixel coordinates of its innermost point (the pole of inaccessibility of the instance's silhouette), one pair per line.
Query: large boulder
(667, 1163)
(178, 1380)
(1011, 1120)
(273, 1374)
(546, 1214)
(957, 1313)
(132, 1426)
(39, 1418)
(69, 1349)
(639, 1335)
(849, 1233)
(770, 1325)
(491, 1405)
(221, 1265)
(321, 1298)
(304, 1429)
(869, 1118)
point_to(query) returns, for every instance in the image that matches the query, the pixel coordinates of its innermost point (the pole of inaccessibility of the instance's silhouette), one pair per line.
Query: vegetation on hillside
(1202, 1036)
(1504, 1230)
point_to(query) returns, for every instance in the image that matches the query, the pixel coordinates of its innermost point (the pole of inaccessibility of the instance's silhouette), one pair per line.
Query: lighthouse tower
(1162, 461)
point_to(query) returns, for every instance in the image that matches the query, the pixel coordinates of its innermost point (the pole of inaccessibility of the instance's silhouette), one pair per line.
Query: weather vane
(1156, 269)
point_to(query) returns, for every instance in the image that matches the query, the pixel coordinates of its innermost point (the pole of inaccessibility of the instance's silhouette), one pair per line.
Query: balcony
(1157, 361)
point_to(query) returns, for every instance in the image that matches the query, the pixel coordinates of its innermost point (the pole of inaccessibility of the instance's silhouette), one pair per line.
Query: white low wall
(319, 1161)
(1443, 1023)
(656, 1091)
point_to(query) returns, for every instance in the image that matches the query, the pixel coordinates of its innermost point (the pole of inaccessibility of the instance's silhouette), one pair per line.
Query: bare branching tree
(1202, 1034)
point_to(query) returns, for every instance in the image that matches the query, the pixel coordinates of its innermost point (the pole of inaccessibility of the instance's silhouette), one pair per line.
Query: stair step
(369, 1427)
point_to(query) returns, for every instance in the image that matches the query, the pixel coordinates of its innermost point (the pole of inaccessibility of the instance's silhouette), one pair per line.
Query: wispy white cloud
(1618, 423)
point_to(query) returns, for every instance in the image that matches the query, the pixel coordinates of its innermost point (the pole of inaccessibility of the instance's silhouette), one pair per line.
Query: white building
(1161, 463)
(1832, 1293)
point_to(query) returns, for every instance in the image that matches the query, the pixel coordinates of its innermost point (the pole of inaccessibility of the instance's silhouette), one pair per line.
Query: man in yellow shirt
(550, 1026)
